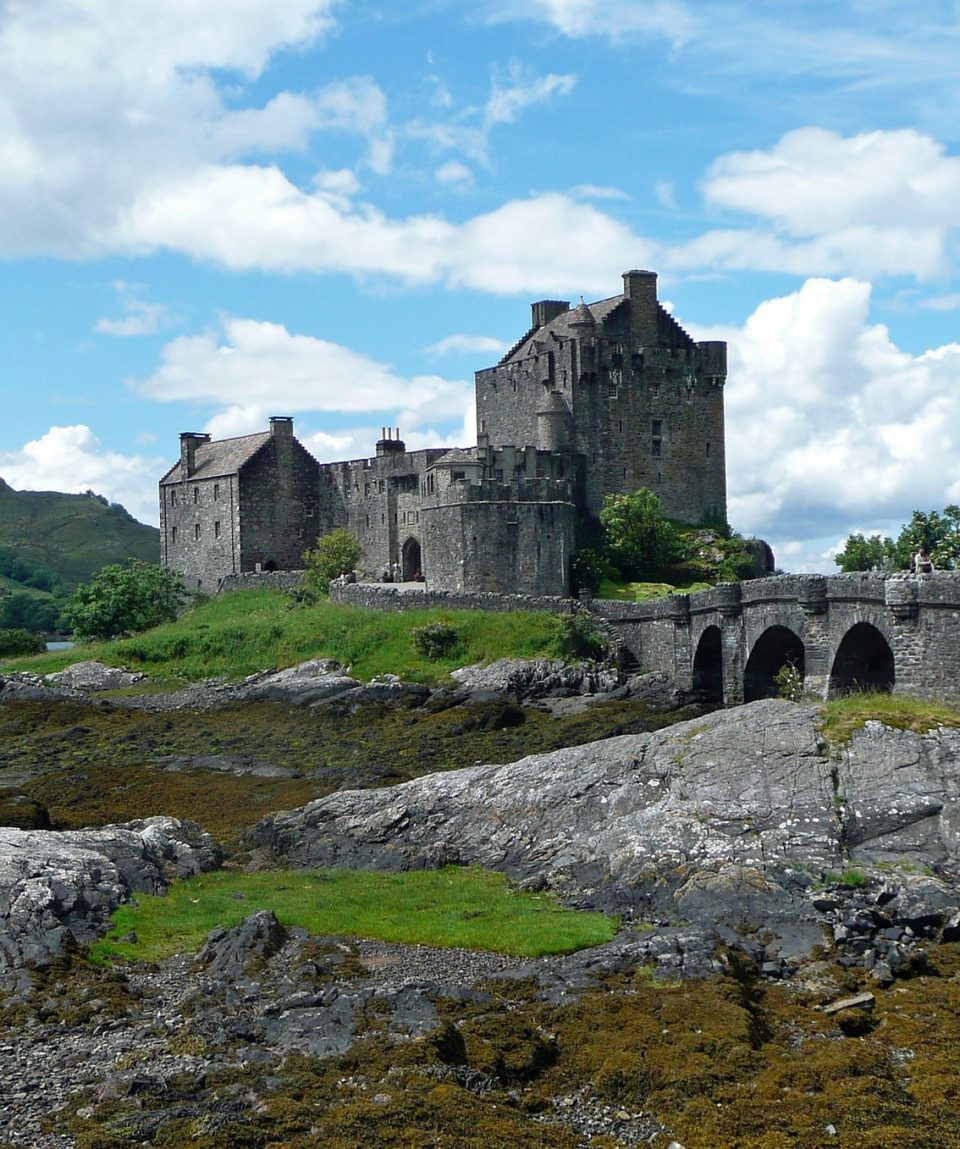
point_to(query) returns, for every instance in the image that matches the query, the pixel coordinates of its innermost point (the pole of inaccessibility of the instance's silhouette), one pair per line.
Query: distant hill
(68, 537)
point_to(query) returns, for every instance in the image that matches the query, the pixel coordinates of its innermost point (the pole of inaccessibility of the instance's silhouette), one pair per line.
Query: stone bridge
(895, 632)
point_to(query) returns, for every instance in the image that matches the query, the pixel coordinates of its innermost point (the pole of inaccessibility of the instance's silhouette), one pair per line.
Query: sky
(215, 211)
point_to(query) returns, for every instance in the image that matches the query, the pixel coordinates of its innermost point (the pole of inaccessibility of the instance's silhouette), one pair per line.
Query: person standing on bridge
(922, 563)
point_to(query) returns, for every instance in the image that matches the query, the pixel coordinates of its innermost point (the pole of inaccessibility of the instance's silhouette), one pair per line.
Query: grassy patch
(240, 633)
(644, 591)
(469, 908)
(842, 717)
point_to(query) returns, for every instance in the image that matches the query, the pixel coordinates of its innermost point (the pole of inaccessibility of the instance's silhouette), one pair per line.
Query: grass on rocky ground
(240, 633)
(734, 1063)
(842, 717)
(456, 906)
(90, 765)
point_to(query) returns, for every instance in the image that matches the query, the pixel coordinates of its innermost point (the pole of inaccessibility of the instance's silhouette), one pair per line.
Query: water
(60, 645)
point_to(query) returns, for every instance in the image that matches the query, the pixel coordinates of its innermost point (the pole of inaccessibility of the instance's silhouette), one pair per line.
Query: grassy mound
(246, 631)
(465, 907)
(842, 717)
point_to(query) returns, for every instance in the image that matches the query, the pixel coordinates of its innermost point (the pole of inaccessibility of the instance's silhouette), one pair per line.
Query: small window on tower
(196, 494)
(708, 450)
(216, 530)
(216, 491)
(173, 535)
(196, 530)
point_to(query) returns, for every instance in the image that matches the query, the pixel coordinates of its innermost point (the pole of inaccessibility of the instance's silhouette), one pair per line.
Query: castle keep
(600, 399)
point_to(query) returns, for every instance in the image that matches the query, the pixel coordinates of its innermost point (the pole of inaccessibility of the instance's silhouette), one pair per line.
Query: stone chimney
(189, 441)
(640, 287)
(281, 427)
(547, 310)
(390, 442)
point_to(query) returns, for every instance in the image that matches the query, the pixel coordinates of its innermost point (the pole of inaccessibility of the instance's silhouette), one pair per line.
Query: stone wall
(263, 580)
(200, 530)
(279, 506)
(387, 597)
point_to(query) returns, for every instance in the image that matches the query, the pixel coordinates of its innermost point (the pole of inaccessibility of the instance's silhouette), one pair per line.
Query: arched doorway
(708, 667)
(775, 648)
(270, 565)
(864, 661)
(410, 563)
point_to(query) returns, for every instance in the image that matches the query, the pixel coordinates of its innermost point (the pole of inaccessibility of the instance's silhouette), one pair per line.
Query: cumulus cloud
(878, 203)
(73, 459)
(829, 424)
(249, 370)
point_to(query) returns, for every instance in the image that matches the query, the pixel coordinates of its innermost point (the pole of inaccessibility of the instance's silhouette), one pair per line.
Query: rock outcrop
(60, 888)
(729, 820)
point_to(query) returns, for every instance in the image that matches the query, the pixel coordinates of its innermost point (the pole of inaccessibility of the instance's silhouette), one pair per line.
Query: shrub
(435, 641)
(123, 600)
(17, 641)
(335, 554)
(789, 682)
(578, 636)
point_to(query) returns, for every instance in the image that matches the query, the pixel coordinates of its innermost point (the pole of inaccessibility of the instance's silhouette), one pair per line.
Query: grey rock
(693, 824)
(537, 678)
(61, 887)
(91, 675)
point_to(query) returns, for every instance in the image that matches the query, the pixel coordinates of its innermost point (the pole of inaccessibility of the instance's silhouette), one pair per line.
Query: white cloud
(73, 459)
(140, 317)
(615, 19)
(455, 173)
(250, 370)
(520, 91)
(829, 423)
(879, 203)
(468, 345)
(595, 191)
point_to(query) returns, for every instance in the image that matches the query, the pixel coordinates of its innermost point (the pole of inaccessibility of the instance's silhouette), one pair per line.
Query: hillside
(69, 536)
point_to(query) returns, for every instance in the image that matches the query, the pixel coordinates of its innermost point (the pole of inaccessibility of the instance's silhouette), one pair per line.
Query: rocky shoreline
(738, 848)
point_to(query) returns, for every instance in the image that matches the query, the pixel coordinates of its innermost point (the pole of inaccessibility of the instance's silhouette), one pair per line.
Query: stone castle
(600, 399)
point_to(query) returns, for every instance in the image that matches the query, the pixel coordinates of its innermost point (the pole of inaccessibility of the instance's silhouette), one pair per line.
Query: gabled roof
(456, 457)
(221, 457)
(564, 326)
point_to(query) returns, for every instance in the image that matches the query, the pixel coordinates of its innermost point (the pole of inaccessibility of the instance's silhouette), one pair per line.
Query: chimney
(547, 310)
(189, 441)
(281, 426)
(640, 288)
(390, 442)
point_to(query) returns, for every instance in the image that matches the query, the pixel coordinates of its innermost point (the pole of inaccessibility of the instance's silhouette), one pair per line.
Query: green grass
(644, 591)
(247, 631)
(469, 908)
(842, 717)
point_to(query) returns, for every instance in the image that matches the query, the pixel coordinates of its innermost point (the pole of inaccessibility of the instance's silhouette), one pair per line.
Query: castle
(600, 399)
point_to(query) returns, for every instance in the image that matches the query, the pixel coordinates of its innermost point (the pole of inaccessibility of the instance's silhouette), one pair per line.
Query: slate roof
(221, 457)
(565, 326)
(455, 456)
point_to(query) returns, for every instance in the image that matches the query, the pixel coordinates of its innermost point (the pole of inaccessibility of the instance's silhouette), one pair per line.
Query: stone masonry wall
(279, 506)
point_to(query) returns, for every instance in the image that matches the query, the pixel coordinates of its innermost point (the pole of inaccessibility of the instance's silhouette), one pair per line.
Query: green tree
(335, 554)
(638, 537)
(938, 532)
(867, 554)
(123, 600)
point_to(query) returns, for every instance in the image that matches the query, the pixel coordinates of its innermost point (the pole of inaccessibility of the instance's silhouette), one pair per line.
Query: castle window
(196, 530)
(173, 497)
(366, 488)
(619, 424)
(173, 535)
(382, 520)
(613, 390)
(656, 439)
(216, 530)
(656, 448)
(368, 520)
(381, 486)
(708, 450)
(457, 475)
(216, 491)
(196, 494)
(416, 516)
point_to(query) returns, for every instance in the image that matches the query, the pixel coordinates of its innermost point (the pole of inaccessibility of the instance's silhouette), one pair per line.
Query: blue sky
(212, 211)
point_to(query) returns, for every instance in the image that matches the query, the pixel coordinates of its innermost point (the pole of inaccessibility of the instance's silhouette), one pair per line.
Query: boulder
(60, 888)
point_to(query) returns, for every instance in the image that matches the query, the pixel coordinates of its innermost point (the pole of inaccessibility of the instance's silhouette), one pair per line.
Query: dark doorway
(269, 565)
(864, 661)
(775, 648)
(708, 667)
(410, 560)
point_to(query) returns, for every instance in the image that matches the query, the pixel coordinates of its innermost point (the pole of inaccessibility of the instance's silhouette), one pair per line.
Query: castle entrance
(410, 562)
(708, 667)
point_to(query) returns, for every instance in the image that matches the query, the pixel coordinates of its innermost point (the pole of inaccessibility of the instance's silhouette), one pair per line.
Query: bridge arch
(777, 646)
(864, 661)
(708, 666)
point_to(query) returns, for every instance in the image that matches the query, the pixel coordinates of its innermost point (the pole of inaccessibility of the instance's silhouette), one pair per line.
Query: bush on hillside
(17, 641)
(123, 600)
(335, 554)
(435, 641)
